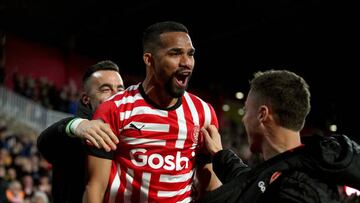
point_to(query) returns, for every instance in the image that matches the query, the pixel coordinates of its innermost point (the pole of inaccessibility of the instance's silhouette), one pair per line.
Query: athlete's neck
(279, 140)
(159, 96)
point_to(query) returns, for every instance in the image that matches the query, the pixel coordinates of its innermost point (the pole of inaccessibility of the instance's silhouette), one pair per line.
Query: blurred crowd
(44, 92)
(25, 177)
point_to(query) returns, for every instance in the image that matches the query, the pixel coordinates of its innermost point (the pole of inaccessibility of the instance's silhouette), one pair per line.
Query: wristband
(72, 125)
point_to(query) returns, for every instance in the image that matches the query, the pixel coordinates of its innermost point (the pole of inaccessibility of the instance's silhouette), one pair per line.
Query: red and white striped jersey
(155, 158)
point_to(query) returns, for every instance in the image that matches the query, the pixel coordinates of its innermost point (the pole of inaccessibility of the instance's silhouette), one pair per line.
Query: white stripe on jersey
(144, 189)
(207, 113)
(186, 200)
(138, 141)
(119, 93)
(193, 110)
(115, 185)
(174, 193)
(129, 99)
(133, 87)
(155, 127)
(182, 134)
(142, 110)
(176, 178)
(128, 189)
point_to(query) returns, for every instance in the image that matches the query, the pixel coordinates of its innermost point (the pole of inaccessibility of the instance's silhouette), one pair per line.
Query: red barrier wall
(37, 60)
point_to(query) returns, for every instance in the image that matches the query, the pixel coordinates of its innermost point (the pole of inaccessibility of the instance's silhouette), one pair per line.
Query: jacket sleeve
(227, 165)
(52, 141)
(347, 163)
(335, 156)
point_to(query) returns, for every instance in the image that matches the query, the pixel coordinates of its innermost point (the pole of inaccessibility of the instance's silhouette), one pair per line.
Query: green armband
(72, 125)
(68, 130)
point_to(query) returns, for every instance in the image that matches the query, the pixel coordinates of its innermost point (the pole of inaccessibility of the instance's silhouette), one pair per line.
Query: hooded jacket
(310, 173)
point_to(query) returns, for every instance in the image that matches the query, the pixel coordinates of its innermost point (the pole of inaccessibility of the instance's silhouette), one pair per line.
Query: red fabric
(155, 159)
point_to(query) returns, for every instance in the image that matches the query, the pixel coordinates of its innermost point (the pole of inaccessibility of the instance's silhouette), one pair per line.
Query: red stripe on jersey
(157, 146)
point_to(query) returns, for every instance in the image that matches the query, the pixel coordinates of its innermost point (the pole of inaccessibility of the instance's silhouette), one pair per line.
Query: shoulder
(192, 98)
(130, 91)
(205, 109)
(129, 94)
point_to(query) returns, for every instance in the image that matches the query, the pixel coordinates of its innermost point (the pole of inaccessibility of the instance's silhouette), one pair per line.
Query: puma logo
(137, 127)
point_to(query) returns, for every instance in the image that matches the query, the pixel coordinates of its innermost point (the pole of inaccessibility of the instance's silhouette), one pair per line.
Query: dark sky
(314, 38)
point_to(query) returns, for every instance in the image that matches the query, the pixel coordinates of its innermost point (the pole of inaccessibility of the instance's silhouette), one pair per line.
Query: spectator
(15, 193)
(40, 197)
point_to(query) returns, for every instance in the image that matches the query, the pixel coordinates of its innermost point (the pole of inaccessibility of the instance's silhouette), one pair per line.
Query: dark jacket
(307, 174)
(67, 156)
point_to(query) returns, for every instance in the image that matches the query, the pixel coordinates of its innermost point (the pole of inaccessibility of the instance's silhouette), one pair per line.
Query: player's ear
(263, 113)
(85, 99)
(148, 59)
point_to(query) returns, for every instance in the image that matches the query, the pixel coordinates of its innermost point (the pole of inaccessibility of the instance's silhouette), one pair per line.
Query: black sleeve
(344, 167)
(227, 165)
(335, 156)
(101, 153)
(203, 159)
(52, 140)
(293, 194)
(291, 189)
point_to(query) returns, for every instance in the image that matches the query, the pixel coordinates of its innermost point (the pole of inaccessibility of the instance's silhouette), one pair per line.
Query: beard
(173, 90)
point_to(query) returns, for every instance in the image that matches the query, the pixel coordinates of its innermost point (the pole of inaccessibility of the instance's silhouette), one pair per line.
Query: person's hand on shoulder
(97, 133)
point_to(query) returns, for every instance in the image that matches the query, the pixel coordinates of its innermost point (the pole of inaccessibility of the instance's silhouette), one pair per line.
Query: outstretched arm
(68, 130)
(52, 140)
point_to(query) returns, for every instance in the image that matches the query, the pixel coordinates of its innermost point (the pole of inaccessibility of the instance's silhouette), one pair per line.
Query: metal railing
(27, 111)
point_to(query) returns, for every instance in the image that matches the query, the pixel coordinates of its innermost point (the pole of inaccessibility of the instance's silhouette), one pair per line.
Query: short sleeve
(214, 119)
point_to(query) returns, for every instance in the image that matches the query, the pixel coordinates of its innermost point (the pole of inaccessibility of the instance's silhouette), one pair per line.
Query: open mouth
(182, 78)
